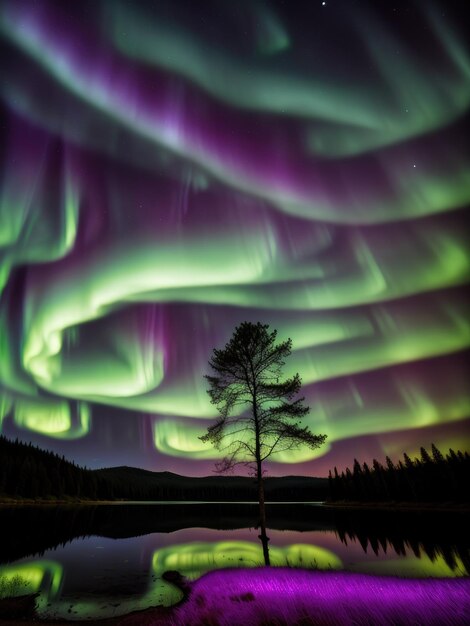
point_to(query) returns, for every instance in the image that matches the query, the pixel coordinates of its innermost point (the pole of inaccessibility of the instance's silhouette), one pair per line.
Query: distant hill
(26, 471)
(171, 486)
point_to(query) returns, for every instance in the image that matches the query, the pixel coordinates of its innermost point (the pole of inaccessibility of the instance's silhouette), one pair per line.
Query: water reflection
(33, 576)
(437, 540)
(196, 558)
(98, 561)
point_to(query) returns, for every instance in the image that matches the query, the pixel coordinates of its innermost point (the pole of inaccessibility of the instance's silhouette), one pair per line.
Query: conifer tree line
(429, 478)
(29, 472)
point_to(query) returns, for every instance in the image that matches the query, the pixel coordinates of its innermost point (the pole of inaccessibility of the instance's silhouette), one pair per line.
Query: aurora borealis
(172, 169)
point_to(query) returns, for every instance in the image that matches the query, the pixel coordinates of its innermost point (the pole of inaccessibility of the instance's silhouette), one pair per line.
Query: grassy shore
(284, 596)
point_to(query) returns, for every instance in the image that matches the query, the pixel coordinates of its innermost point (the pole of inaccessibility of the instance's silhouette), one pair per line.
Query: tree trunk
(259, 475)
(262, 508)
(262, 514)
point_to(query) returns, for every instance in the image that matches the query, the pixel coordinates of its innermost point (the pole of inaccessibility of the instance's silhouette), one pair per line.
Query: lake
(96, 561)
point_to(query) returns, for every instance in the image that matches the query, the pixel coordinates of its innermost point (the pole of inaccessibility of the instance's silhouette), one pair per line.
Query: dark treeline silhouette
(29, 472)
(26, 471)
(430, 478)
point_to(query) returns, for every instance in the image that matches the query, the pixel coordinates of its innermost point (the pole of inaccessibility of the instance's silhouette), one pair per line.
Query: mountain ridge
(27, 471)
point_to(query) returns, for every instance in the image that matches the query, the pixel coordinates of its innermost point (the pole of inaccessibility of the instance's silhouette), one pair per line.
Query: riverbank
(401, 506)
(54, 502)
(395, 506)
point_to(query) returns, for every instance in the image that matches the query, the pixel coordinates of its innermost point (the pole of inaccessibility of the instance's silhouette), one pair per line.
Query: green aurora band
(139, 225)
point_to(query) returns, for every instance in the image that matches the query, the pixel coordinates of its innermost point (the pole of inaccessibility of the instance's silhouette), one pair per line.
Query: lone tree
(258, 413)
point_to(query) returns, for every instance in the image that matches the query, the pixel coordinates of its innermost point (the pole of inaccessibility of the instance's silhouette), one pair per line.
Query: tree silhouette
(258, 413)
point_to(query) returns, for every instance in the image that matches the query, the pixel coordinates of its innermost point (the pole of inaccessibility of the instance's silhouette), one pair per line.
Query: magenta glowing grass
(290, 596)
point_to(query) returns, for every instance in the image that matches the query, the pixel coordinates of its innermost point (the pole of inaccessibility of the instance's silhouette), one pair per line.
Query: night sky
(171, 169)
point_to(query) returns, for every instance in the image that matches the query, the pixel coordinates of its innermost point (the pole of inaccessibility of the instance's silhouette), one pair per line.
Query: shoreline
(395, 506)
(402, 506)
